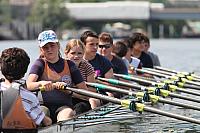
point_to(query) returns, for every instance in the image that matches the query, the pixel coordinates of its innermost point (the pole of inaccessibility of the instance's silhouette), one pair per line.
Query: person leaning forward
(52, 72)
(20, 107)
(74, 51)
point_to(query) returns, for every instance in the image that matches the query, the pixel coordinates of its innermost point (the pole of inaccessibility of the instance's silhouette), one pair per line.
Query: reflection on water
(181, 54)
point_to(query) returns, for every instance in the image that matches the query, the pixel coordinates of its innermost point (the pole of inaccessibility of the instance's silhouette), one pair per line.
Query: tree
(5, 12)
(52, 14)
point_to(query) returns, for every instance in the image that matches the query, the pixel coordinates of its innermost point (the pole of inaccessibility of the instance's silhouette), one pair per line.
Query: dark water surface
(177, 54)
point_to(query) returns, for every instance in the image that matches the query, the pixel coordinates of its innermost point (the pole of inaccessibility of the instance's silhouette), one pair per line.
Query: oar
(163, 92)
(170, 87)
(180, 84)
(165, 69)
(191, 78)
(145, 78)
(184, 80)
(152, 98)
(153, 73)
(173, 71)
(159, 71)
(133, 105)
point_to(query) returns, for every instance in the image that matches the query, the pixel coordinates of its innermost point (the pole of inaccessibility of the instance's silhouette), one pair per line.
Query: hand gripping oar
(182, 79)
(168, 85)
(173, 71)
(134, 106)
(141, 95)
(157, 90)
(182, 75)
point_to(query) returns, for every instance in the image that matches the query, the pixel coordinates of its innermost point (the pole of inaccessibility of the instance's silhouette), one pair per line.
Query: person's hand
(46, 85)
(60, 85)
(47, 121)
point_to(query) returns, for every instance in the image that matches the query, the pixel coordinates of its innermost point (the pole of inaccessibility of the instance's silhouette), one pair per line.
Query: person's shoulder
(152, 54)
(117, 59)
(146, 55)
(3, 86)
(70, 63)
(39, 62)
(86, 63)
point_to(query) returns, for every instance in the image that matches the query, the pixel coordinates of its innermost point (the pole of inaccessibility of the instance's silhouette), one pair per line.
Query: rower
(154, 57)
(137, 47)
(102, 66)
(74, 51)
(19, 107)
(105, 49)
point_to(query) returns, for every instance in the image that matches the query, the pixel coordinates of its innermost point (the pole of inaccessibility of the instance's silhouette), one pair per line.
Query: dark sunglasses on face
(106, 46)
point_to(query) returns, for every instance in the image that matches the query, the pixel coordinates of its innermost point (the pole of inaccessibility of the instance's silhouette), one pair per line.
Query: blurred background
(173, 26)
(24, 19)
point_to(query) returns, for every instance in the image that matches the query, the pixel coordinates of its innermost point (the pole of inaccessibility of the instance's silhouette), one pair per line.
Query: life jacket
(13, 114)
(57, 96)
(51, 75)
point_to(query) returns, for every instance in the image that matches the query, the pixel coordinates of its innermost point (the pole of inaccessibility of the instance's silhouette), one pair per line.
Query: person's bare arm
(109, 74)
(91, 78)
(33, 84)
(46, 121)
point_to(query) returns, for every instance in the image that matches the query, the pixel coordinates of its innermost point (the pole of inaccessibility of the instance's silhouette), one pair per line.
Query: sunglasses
(106, 46)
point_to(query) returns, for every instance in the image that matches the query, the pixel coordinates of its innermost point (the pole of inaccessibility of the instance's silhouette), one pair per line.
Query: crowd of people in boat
(85, 59)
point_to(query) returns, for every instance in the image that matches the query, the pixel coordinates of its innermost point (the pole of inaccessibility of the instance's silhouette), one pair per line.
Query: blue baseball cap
(46, 37)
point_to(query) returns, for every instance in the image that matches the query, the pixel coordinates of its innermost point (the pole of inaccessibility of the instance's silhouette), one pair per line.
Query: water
(181, 54)
(177, 54)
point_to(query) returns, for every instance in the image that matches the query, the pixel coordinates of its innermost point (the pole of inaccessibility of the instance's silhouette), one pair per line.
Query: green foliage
(158, 1)
(5, 11)
(83, 1)
(51, 13)
(90, 1)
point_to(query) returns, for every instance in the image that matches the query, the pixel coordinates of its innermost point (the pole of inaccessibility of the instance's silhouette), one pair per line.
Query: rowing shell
(98, 116)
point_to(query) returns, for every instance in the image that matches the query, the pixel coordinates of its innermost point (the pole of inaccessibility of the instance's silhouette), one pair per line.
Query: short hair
(106, 37)
(137, 36)
(87, 34)
(127, 42)
(14, 63)
(146, 39)
(72, 43)
(120, 49)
